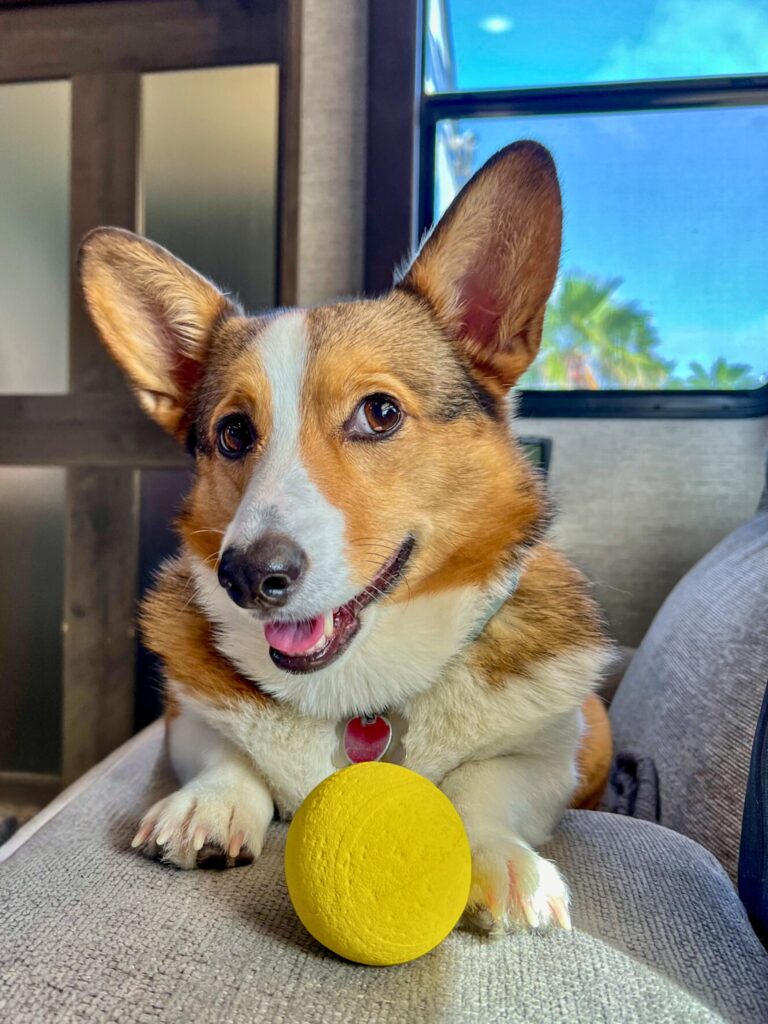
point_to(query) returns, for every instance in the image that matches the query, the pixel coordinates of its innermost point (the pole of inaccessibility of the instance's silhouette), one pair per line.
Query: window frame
(411, 134)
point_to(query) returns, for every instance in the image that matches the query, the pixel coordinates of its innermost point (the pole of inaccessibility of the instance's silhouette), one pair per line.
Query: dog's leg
(510, 805)
(219, 816)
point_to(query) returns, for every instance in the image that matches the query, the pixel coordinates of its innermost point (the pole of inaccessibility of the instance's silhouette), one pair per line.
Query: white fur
(505, 756)
(223, 800)
(281, 496)
(509, 805)
(454, 722)
(292, 753)
(458, 720)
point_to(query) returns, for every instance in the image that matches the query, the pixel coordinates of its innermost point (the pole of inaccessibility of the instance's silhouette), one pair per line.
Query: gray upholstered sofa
(91, 932)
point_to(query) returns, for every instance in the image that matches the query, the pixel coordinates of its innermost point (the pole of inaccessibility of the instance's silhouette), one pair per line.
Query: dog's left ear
(488, 267)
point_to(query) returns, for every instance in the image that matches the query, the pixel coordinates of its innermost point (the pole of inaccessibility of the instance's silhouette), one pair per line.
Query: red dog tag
(367, 738)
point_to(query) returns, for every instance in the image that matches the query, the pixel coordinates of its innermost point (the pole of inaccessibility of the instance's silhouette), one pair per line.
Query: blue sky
(674, 203)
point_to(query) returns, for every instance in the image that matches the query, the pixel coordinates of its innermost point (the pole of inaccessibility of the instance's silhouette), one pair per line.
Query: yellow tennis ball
(378, 864)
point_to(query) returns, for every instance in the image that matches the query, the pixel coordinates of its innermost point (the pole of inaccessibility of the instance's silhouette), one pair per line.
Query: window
(661, 299)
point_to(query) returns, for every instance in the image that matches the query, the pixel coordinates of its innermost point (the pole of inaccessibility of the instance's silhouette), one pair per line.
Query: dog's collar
(497, 602)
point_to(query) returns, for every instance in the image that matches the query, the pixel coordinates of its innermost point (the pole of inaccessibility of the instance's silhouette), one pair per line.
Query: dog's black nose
(265, 574)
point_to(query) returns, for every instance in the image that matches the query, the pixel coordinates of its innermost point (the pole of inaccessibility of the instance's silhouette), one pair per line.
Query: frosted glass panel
(34, 237)
(210, 173)
(32, 560)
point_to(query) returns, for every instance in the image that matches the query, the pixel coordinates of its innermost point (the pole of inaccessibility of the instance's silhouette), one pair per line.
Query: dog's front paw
(513, 887)
(202, 827)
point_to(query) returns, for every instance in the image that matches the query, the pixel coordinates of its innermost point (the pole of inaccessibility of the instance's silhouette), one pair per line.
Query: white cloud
(684, 38)
(496, 24)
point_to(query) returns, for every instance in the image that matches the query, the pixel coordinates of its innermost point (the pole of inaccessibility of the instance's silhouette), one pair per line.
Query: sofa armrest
(80, 786)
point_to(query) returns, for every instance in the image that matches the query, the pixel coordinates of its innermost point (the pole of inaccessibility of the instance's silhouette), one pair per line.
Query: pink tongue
(294, 637)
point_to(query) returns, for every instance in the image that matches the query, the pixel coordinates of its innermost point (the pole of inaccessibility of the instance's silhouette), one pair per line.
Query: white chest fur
(458, 719)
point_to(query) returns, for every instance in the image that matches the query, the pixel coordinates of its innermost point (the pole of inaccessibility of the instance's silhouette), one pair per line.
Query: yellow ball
(378, 864)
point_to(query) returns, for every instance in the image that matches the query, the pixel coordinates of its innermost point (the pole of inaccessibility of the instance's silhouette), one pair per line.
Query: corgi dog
(364, 570)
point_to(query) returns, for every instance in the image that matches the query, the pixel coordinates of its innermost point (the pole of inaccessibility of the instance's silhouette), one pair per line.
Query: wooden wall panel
(104, 176)
(99, 612)
(102, 503)
(57, 41)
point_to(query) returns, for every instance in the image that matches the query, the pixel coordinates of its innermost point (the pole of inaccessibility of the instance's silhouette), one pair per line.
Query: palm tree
(593, 341)
(721, 376)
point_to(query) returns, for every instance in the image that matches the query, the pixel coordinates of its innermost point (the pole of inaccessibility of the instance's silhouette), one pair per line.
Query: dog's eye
(234, 436)
(377, 416)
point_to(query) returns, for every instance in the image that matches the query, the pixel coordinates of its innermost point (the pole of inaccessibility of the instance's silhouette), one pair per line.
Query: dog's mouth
(310, 645)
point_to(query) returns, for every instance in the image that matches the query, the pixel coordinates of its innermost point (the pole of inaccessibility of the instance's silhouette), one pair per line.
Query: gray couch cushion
(93, 933)
(691, 697)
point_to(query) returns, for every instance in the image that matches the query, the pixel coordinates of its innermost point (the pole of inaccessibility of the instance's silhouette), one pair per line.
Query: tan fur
(219, 484)
(155, 315)
(173, 628)
(550, 612)
(595, 755)
(454, 476)
(430, 478)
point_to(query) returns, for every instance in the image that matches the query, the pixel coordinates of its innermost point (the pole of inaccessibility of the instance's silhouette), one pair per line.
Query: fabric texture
(91, 932)
(691, 697)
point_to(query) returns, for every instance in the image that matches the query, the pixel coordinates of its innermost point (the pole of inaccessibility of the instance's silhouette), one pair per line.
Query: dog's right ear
(488, 267)
(155, 315)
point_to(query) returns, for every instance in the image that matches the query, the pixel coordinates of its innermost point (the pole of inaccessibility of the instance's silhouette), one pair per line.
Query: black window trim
(400, 168)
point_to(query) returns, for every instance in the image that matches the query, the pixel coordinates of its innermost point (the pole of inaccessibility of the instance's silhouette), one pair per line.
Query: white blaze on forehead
(281, 496)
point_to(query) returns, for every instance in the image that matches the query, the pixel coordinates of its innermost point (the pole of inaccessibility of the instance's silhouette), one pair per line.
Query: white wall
(640, 500)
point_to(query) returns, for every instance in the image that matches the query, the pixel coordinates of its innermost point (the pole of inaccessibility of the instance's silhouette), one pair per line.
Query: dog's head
(357, 455)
